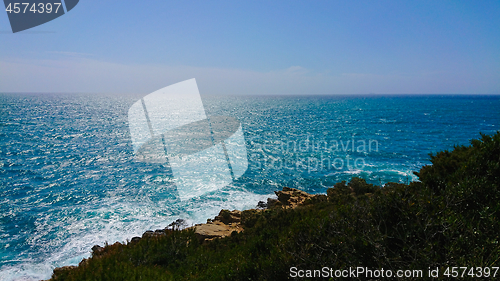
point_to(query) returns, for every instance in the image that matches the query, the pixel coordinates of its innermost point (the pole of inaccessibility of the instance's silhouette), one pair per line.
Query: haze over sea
(69, 181)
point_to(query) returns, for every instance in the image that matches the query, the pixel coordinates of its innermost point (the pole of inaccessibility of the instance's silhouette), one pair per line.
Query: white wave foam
(117, 219)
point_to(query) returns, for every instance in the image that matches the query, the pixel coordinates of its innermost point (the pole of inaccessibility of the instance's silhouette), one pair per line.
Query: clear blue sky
(259, 47)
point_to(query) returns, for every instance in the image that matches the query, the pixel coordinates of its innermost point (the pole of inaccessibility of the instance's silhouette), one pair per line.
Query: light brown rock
(291, 197)
(216, 229)
(228, 221)
(221, 226)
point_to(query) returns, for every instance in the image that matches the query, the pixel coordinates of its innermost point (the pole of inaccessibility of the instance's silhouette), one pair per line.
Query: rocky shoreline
(228, 221)
(449, 215)
(222, 225)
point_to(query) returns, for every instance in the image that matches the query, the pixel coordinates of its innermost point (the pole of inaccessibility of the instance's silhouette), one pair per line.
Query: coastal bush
(449, 218)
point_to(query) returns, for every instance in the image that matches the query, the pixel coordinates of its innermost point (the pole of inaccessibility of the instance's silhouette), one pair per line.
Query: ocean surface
(68, 179)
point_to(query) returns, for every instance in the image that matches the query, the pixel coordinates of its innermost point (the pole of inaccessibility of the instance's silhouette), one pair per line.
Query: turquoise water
(69, 181)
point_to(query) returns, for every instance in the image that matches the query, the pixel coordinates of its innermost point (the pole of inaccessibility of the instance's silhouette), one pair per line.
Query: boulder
(96, 250)
(290, 197)
(227, 217)
(179, 224)
(262, 205)
(221, 226)
(209, 231)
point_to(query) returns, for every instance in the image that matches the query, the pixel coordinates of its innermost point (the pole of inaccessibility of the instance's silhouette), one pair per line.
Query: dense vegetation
(449, 218)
